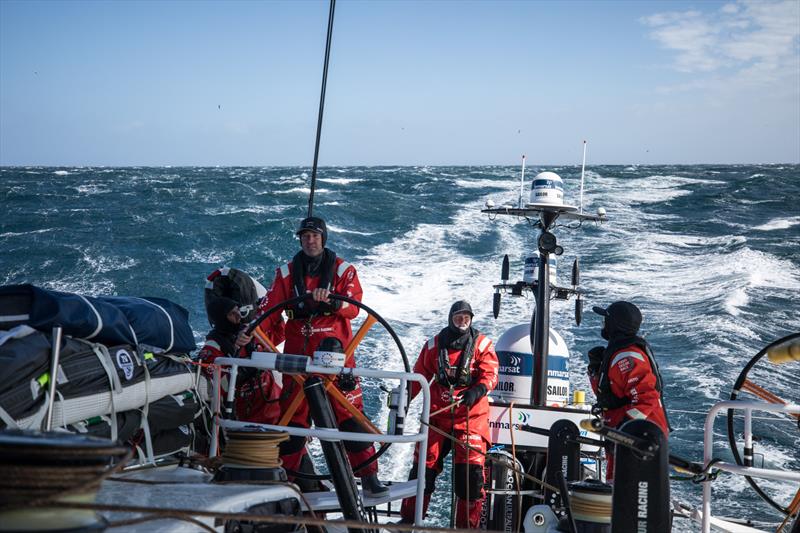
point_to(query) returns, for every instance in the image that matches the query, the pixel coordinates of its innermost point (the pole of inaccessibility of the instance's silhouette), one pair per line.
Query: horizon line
(438, 165)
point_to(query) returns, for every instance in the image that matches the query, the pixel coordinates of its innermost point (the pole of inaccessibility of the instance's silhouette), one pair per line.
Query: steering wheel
(784, 379)
(372, 317)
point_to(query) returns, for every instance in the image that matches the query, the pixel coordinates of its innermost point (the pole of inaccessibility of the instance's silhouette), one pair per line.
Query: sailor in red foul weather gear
(256, 391)
(463, 366)
(316, 271)
(624, 374)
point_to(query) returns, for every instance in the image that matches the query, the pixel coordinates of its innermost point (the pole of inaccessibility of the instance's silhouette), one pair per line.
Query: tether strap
(326, 279)
(460, 379)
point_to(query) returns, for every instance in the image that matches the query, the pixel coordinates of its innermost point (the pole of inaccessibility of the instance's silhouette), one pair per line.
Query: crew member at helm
(624, 374)
(315, 270)
(463, 366)
(256, 392)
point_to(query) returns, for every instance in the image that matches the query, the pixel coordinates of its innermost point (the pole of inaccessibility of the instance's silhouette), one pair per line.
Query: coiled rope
(258, 449)
(23, 485)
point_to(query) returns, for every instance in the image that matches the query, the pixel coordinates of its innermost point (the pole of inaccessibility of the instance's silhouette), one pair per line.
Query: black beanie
(315, 224)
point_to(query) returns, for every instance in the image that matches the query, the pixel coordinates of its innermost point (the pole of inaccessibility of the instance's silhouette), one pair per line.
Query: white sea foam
(340, 181)
(487, 184)
(779, 223)
(393, 170)
(213, 257)
(256, 209)
(61, 173)
(92, 188)
(300, 190)
(102, 264)
(19, 233)
(736, 300)
(337, 229)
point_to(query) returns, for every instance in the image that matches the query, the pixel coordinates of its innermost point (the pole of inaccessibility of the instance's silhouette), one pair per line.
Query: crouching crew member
(257, 393)
(624, 374)
(463, 365)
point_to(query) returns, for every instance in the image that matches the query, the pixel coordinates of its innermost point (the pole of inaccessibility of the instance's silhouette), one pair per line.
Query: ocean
(711, 254)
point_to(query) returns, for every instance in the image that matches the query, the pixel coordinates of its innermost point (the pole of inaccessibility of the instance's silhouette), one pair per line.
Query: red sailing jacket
(483, 369)
(336, 324)
(632, 378)
(257, 398)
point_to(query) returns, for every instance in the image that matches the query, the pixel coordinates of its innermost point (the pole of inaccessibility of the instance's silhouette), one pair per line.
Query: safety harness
(326, 270)
(461, 377)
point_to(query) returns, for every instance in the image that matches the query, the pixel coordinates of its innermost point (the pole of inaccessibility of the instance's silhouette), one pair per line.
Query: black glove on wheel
(596, 359)
(332, 307)
(473, 394)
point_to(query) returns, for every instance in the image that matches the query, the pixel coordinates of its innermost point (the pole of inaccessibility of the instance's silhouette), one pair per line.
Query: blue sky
(237, 83)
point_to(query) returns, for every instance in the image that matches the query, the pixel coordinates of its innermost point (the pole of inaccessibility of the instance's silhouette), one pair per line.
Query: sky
(153, 83)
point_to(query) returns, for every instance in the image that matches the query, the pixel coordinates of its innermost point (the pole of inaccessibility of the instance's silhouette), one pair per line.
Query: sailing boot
(407, 508)
(373, 487)
(468, 513)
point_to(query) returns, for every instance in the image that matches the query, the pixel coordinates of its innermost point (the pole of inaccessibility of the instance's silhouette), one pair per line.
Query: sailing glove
(596, 359)
(473, 394)
(331, 307)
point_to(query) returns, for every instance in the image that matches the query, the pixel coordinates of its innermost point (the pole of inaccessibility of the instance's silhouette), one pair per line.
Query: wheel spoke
(337, 395)
(298, 397)
(765, 395)
(359, 336)
(782, 380)
(264, 339)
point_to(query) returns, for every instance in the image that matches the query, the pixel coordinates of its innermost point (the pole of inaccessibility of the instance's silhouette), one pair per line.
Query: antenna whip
(583, 168)
(321, 107)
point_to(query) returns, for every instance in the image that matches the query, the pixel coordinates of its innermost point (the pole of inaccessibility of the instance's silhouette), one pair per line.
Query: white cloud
(754, 42)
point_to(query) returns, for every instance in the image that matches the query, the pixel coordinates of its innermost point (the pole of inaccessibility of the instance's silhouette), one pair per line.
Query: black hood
(460, 306)
(451, 336)
(622, 319)
(218, 311)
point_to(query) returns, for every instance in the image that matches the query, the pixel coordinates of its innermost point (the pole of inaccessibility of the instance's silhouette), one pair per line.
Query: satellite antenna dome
(547, 188)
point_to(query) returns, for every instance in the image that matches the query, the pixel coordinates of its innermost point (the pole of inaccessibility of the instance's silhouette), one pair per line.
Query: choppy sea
(711, 254)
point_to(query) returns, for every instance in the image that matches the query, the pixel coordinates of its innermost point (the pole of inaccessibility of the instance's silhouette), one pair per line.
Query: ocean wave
(300, 190)
(341, 181)
(337, 229)
(92, 189)
(20, 233)
(210, 257)
(255, 209)
(488, 184)
(61, 173)
(103, 264)
(779, 223)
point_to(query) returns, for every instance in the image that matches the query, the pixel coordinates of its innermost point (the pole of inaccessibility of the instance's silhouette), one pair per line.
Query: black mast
(540, 321)
(321, 107)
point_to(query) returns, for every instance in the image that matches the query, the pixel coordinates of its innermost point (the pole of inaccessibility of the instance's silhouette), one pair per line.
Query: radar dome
(547, 188)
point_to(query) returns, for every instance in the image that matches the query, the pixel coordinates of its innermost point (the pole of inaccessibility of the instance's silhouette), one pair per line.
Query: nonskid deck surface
(185, 488)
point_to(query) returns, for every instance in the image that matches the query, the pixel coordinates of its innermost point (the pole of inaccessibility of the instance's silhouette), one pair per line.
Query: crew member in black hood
(256, 392)
(224, 316)
(624, 374)
(462, 365)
